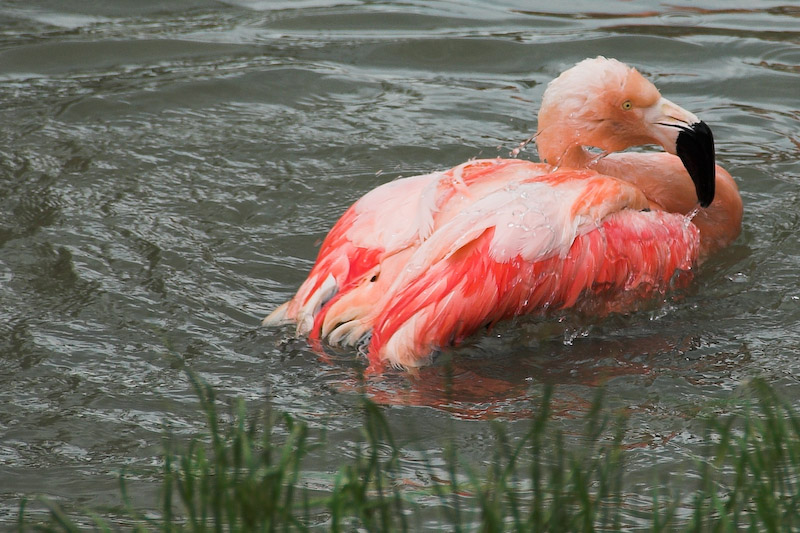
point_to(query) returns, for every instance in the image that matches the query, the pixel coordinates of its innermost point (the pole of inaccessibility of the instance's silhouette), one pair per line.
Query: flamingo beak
(695, 147)
(683, 134)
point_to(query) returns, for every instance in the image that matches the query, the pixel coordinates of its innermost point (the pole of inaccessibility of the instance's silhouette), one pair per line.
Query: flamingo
(421, 263)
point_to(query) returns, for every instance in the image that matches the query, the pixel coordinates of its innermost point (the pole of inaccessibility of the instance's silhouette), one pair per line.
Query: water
(168, 169)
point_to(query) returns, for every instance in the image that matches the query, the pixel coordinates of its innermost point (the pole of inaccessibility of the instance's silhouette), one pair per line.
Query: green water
(168, 169)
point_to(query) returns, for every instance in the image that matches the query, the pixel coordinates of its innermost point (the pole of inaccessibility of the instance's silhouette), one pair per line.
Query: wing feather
(629, 255)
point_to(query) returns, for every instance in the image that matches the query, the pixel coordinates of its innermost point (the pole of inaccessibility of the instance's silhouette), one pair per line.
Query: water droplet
(739, 277)
(516, 151)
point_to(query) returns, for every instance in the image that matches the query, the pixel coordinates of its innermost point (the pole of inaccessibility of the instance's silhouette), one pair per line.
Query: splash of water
(521, 146)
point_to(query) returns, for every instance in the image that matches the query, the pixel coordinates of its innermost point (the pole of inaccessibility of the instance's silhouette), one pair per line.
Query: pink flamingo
(420, 263)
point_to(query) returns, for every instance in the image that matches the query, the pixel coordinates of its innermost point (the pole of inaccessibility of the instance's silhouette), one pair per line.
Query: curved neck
(574, 156)
(721, 222)
(558, 143)
(667, 185)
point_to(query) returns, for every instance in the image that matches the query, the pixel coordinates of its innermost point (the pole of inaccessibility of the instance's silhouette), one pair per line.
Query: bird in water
(420, 263)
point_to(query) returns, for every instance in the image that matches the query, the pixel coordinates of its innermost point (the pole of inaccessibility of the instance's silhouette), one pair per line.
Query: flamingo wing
(386, 220)
(382, 227)
(547, 243)
(420, 263)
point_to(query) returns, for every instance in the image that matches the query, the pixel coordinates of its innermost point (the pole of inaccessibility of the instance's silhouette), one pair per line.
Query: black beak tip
(695, 148)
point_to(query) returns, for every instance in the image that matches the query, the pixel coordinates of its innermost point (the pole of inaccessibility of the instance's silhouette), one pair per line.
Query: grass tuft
(245, 473)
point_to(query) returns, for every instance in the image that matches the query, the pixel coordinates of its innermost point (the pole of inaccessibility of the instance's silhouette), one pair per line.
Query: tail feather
(278, 317)
(308, 311)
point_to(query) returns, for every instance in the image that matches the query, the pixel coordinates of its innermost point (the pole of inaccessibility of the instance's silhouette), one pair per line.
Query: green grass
(246, 473)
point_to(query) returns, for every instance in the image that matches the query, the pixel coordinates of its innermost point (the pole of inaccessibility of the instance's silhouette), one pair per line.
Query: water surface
(168, 169)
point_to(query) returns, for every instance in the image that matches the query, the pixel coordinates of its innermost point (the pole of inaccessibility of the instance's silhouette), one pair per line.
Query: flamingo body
(421, 263)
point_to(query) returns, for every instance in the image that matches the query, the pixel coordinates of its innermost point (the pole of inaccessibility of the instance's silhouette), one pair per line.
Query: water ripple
(168, 171)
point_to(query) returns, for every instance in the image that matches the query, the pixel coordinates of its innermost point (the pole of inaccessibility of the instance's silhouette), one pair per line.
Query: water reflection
(502, 376)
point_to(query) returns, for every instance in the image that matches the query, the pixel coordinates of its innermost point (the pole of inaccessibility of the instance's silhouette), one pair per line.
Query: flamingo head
(605, 104)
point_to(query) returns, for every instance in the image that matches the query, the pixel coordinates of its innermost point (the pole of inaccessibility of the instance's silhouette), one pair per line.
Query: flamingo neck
(574, 156)
(667, 185)
(721, 222)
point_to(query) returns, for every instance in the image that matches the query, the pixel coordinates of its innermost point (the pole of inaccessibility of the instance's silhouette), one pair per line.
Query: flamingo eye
(627, 105)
